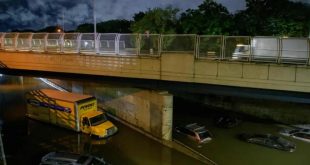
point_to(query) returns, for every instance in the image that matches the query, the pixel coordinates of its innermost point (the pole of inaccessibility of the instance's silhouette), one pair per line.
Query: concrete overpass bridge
(253, 66)
(271, 63)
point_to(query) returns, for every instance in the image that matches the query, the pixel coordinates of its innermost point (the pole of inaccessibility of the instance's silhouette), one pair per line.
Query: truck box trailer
(69, 110)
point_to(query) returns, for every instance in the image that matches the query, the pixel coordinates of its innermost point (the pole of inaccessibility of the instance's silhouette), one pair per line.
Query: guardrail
(214, 47)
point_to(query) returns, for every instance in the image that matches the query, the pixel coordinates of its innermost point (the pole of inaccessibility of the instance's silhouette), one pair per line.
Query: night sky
(37, 14)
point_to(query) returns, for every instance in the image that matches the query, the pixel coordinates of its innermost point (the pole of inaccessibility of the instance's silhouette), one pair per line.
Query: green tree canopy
(85, 28)
(157, 20)
(114, 26)
(210, 18)
(273, 17)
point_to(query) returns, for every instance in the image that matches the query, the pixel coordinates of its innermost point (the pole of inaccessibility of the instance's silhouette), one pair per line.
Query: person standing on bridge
(148, 42)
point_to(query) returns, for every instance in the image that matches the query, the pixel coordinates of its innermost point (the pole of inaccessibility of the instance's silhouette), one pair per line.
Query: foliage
(85, 28)
(273, 17)
(157, 20)
(114, 26)
(49, 29)
(138, 16)
(111, 26)
(210, 18)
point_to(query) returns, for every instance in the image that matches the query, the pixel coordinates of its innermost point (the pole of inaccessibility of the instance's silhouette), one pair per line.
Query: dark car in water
(56, 158)
(195, 131)
(269, 140)
(227, 121)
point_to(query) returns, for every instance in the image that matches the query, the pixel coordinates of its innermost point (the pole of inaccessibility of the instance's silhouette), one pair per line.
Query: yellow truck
(70, 110)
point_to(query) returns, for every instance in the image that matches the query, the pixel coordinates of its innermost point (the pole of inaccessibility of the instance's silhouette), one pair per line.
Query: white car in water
(297, 133)
(196, 132)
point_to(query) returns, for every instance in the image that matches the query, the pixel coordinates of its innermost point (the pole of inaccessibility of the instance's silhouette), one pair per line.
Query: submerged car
(227, 121)
(196, 132)
(55, 158)
(304, 126)
(298, 133)
(269, 140)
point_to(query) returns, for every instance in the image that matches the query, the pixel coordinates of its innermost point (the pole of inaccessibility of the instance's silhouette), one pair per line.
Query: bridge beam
(180, 67)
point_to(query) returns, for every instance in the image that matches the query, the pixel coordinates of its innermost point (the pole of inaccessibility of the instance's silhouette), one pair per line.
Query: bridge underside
(175, 88)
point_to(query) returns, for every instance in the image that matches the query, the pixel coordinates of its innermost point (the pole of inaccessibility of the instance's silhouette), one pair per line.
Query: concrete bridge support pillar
(77, 87)
(147, 110)
(167, 115)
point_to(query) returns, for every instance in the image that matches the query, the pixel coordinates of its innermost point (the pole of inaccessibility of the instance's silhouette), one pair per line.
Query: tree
(210, 18)
(114, 26)
(85, 28)
(138, 16)
(157, 20)
(49, 29)
(274, 17)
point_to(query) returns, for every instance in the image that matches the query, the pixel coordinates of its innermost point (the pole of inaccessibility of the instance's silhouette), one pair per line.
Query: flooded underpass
(25, 140)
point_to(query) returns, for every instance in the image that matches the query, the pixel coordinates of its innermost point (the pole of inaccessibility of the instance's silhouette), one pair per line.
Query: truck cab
(241, 52)
(96, 123)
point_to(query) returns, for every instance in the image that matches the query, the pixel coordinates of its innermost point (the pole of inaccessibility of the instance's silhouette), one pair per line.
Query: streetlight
(95, 26)
(63, 20)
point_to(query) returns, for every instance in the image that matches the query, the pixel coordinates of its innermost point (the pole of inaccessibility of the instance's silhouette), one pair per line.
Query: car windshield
(303, 135)
(204, 135)
(82, 159)
(98, 119)
(283, 142)
(293, 131)
(96, 161)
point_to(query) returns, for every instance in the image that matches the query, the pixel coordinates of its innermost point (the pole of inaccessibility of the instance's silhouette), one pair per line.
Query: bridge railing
(23, 42)
(54, 42)
(181, 43)
(1, 40)
(9, 41)
(107, 43)
(294, 50)
(209, 47)
(236, 48)
(87, 43)
(149, 44)
(38, 42)
(203, 47)
(265, 49)
(71, 42)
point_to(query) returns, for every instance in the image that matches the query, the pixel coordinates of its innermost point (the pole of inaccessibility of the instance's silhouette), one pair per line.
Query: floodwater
(226, 149)
(25, 140)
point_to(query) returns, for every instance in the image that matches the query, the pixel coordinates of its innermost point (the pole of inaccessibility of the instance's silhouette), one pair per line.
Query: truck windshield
(98, 119)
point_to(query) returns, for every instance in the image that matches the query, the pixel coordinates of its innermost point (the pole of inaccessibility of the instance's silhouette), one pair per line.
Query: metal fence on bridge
(203, 47)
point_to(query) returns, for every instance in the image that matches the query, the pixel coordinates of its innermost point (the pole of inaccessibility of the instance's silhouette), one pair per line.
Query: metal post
(63, 21)
(95, 25)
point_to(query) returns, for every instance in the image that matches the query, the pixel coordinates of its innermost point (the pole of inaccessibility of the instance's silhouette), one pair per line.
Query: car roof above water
(195, 127)
(64, 157)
